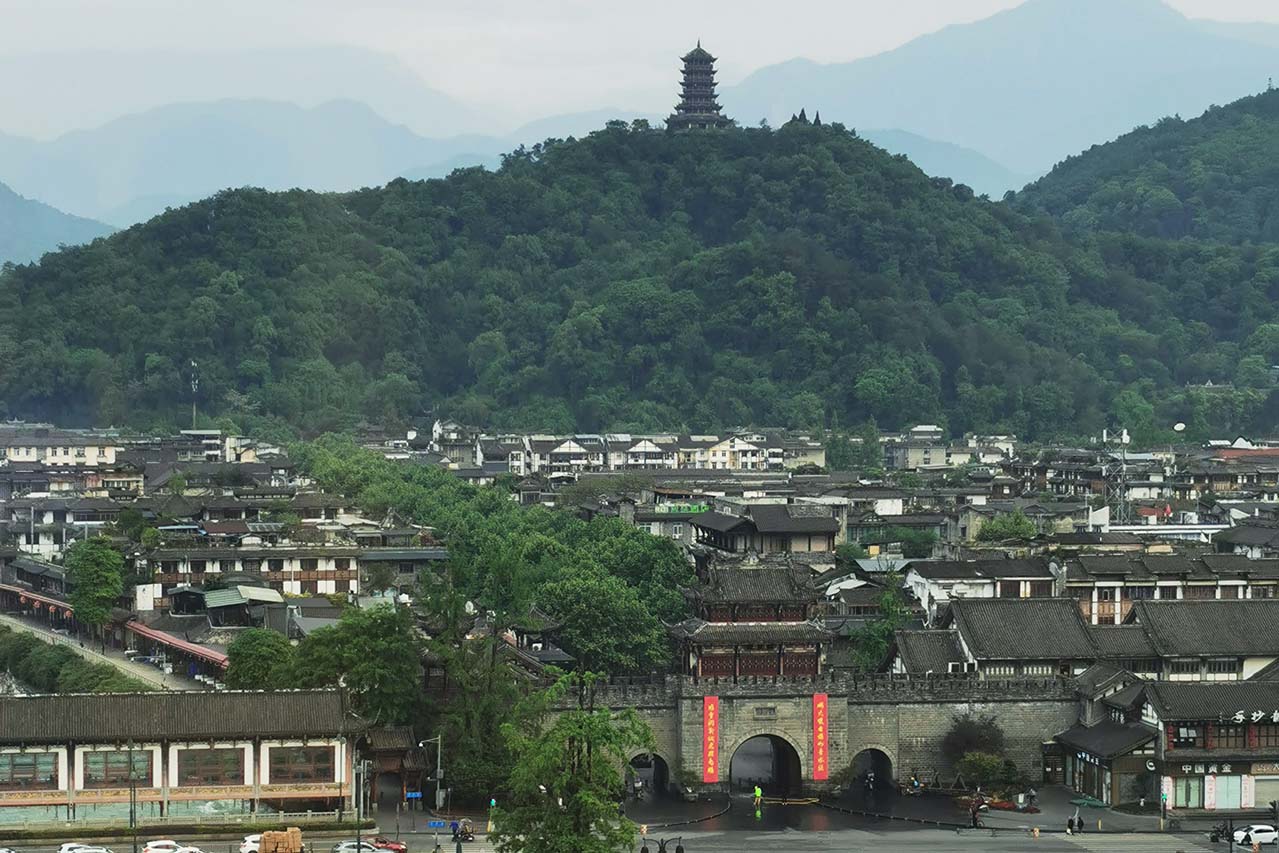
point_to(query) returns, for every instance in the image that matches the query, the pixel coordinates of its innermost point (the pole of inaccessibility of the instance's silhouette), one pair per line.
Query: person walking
(759, 796)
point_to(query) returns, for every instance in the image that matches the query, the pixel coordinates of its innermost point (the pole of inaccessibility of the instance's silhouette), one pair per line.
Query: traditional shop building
(287, 750)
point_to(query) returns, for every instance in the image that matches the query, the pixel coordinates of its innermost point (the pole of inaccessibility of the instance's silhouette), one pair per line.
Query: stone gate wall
(903, 717)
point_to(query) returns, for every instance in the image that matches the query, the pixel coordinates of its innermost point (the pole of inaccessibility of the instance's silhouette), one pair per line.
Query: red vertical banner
(710, 739)
(821, 740)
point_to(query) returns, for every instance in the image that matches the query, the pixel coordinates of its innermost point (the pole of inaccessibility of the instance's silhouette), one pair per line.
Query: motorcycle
(1220, 832)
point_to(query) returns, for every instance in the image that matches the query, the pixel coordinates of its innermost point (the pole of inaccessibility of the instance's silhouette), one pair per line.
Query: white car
(251, 843)
(164, 845)
(72, 847)
(189, 850)
(1257, 833)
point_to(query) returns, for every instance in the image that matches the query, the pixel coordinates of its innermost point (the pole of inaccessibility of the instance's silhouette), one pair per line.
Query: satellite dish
(1178, 427)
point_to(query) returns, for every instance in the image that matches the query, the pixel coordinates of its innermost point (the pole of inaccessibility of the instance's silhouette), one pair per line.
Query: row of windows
(1194, 736)
(110, 769)
(34, 771)
(199, 567)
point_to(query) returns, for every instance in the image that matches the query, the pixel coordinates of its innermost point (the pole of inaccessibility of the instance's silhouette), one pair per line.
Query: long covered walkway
(140, 671)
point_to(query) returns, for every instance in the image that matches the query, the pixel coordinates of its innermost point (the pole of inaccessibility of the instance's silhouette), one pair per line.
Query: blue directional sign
(412, 795)
(435, 824)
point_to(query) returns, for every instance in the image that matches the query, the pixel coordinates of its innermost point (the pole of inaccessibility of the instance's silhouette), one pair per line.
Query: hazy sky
(525, 59)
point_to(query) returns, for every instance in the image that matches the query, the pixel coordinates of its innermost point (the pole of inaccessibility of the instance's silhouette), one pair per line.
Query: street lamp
(438, 740)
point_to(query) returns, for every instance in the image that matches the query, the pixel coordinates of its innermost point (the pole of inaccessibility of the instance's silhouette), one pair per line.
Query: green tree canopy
(566, 778)
(95, 571)
(259, 659)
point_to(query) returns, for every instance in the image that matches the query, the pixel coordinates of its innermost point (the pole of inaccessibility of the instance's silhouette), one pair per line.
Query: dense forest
(644, 280)
(1214, 177)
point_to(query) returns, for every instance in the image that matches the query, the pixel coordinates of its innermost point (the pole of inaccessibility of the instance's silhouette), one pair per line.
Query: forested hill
(645, 280)
(1213, 177)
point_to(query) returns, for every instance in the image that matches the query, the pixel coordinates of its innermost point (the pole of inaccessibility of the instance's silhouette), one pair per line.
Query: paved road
(842, 841)
(140, 671)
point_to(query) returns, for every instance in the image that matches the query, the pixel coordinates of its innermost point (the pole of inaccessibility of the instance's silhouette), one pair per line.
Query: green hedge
(54, 668)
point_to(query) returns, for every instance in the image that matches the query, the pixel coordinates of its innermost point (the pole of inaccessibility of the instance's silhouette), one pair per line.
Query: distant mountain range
(1029, 86)
(28, 228)
(58, 96)
(134, 167)
(992, 104)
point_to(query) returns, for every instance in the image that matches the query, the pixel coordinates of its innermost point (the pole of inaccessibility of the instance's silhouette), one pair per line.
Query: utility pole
(195, 386)
(133, 799)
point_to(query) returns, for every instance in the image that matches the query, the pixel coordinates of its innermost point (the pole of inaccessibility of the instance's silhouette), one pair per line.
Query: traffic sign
(435, 824)
(412, 795)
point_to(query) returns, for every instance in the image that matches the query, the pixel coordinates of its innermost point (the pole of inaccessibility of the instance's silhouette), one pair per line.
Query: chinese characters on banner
(710, 739)
(821, 760)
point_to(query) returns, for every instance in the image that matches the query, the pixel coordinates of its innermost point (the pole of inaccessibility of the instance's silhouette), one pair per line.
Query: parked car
(163, 845)
(354, 847)
(251, 843)
(72, 846)
(383, 843)
(188, 849)
(1257, 833)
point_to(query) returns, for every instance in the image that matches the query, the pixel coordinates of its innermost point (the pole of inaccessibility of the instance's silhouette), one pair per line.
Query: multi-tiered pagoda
(697, 106)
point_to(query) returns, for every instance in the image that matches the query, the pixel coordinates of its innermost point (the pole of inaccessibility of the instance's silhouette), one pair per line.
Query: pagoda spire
(698, 107)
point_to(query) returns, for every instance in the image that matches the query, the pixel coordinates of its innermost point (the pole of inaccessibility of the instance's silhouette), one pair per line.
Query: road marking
(1138, 842)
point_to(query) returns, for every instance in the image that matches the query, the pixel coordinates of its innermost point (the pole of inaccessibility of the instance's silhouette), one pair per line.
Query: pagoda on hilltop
(697, 106)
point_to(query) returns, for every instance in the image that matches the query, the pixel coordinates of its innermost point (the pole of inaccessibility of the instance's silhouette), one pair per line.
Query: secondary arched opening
(873, 769)
(768, 761)
(649, 776)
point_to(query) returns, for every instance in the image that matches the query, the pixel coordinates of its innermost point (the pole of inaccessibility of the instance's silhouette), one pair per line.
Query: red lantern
(36, 605)
(22, 599)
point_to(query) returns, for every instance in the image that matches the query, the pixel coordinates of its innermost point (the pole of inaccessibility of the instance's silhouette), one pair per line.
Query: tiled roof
(1107, 739)
(145, 717)
(761, 584)
(1122, 641)
(793, 518)
(1210, 626)
(1212, 700)
(752, 633)
(720, 522)
(1033, 567)
(928, 651)
(1023, 628)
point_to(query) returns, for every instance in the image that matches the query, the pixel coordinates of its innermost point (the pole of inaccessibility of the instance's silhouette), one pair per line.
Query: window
(197, 567)
(301, 764)
(211, 766)
(1010, 589)
(1231, 591)
(226, 565)
(310, 564)
(1262, 591)
(30, 770)
(1041, 589)
(1231, 737)
(1224, 666)
(1268, 735)
(309, 587)
(1139, 593)
(1201, 592)
(1166, 593)
(1188, 737)
(1104, 594)
(677, 530)
(111, 769)
(1185, 667)
(275, 565)
(342, 564)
